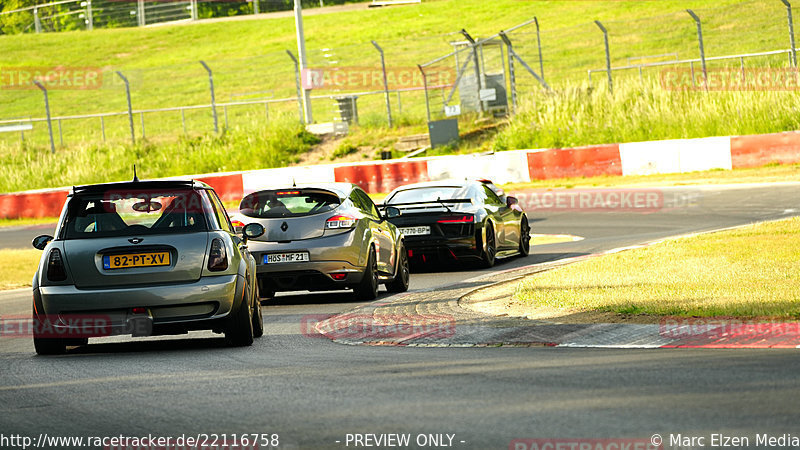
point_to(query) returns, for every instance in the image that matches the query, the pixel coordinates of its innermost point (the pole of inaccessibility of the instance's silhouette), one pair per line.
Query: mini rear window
(288, 203)
(136, 212)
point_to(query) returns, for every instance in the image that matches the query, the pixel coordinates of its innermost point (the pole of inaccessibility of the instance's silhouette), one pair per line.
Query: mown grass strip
(17, 267)
(751, 272)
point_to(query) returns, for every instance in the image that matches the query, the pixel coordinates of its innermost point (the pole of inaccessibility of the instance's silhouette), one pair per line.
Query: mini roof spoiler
(161, 184)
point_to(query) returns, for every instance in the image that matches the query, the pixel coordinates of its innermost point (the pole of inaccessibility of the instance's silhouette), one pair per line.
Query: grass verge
(17, 267)
(751, 272)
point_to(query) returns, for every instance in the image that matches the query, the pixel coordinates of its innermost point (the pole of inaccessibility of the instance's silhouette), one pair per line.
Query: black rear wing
(422, 205)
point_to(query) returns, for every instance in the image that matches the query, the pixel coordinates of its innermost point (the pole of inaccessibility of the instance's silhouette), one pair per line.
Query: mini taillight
(55, 266)
(218, 257)
(339, 222)
(459, 219)
(237, 223)
(287, 193)
(339, 276)
(139, 310)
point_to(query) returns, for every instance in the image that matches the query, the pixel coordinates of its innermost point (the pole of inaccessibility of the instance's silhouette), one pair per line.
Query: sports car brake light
(287, 193)
(55, 266)
(461, 219)
(339, 222)
(218, 256)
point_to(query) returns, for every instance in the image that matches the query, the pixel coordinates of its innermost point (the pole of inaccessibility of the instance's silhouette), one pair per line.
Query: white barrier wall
(676, 155)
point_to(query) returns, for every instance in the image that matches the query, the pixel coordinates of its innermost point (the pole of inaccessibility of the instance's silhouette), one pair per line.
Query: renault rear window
(288, 203)
(136, 212)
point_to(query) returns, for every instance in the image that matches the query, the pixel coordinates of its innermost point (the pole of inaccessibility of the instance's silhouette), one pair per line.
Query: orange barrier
(383, 177)
(761, 149)
(32, 204)
(589, 161)
(228, 187)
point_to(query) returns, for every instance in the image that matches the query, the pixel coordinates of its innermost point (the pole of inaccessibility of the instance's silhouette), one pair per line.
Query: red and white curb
(517, 166)
(349, 328)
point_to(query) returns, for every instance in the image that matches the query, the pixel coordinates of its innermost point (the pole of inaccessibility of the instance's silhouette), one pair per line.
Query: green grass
(750, 272)
(277, 144)
(249, 62)
(644, 111)
(17, 267)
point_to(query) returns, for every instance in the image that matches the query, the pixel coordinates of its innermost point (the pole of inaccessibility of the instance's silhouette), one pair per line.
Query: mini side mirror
(392, 212)
(511, 201)
(40, 242)
(252, 230)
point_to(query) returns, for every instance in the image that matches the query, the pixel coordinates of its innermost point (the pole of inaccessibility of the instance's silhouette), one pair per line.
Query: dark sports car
(461, 220)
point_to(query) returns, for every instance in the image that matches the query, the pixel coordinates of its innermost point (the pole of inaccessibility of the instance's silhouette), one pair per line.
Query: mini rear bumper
(203, 304)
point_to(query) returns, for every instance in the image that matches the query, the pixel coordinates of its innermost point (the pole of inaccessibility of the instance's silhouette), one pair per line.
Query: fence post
(140, 13)
(702, 49)
(425, 87)
(103, 127)
(130, 109)
(47, 109)
(512, 78)
(256, 7)
(37, 23)
(478, 84)
(385, 83)
(89, 18)
(193, 5)
(301, 54)
(608, 56)
(213, 100)
(60, 134)
(297, 83)
(791, 30)
(539, 44)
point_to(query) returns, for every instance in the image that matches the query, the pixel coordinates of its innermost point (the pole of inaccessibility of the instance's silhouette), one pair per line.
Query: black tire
(46, 345)
(49, 346)
(258, 318)
(524, 237)
(239, 332)
(402, 274)
(490, 254)
(367, 289)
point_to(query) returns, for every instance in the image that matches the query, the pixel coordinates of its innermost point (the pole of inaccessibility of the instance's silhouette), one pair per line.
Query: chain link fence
(426, 78)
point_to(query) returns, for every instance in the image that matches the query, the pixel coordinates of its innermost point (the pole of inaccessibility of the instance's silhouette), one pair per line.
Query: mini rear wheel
(46, 345)
(239, 332)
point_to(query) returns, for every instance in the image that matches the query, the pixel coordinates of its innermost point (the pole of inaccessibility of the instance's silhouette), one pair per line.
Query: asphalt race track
(312, 393)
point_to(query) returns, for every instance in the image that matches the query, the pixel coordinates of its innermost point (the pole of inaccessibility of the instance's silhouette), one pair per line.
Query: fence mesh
(255, 89)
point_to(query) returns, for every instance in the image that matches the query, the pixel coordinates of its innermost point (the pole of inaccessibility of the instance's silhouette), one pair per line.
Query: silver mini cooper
(144, 258)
